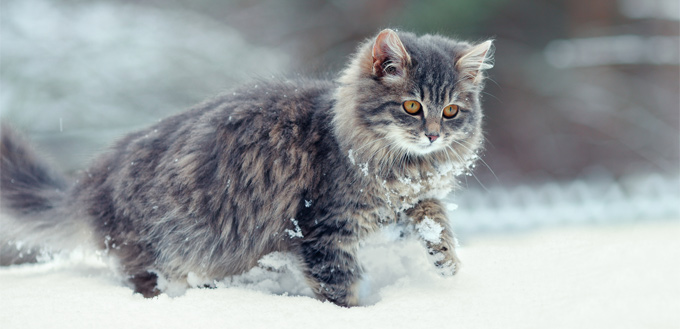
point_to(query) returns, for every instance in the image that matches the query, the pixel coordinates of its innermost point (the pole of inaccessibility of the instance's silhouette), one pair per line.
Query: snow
(350, 155)
(430, 230)
(621, 276)
(364, 168)
(297, 233)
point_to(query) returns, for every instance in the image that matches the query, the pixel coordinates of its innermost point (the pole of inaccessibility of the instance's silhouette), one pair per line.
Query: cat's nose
(432, 137)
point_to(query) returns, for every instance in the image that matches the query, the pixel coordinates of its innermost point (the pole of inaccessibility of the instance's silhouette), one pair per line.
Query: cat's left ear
(390, 58)
(475, 60)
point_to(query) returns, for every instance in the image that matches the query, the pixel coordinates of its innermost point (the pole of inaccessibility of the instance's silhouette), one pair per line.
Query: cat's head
(413, 97)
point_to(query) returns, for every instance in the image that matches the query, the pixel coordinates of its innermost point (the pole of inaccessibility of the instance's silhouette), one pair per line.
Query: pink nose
(432, 137)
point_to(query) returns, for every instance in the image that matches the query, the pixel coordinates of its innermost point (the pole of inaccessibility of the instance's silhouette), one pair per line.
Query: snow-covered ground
(619, 276)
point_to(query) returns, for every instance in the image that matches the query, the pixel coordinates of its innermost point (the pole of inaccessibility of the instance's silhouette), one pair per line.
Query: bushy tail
(33, 202)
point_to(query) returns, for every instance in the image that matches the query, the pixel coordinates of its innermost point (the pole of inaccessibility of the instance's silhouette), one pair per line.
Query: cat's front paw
(445, 260)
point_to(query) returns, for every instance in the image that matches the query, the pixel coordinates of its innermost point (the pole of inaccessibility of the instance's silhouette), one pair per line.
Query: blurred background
(582, 107)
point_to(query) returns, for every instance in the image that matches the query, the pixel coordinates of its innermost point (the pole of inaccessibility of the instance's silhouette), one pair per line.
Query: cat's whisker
(457, 156)
(448, 157)
(494, 82)
(480, 160)
(494, 97)
(488, 142)
(470, 172)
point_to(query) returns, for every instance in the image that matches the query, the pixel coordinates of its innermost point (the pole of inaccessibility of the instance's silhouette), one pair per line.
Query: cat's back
(262, 118)
(233, 165)
(284, 111)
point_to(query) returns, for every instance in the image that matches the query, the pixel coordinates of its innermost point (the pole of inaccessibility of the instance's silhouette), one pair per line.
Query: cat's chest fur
(385, 198)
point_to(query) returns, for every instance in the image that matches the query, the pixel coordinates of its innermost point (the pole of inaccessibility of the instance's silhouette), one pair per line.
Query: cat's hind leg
(136, 263)
(146, 284)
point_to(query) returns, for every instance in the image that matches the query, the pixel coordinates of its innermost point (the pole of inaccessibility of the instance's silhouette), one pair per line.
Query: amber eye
(450, 111)
(411, 107)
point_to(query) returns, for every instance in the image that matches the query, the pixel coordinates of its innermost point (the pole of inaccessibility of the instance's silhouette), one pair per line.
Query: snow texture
(350, 155)
(297, 233)
(364, 168)
(430, 230)
(604, 277)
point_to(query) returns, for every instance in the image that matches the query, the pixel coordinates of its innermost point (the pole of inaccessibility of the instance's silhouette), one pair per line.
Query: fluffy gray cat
(306, 167)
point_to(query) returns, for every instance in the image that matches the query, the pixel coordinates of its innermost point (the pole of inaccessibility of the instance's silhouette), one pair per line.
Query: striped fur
(307, 167)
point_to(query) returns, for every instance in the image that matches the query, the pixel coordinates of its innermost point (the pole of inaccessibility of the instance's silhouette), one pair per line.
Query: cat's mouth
(417, 144)
(424, 147)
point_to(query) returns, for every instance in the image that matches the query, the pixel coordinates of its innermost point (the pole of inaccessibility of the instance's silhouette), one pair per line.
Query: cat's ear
(389, 55)
(475, 60)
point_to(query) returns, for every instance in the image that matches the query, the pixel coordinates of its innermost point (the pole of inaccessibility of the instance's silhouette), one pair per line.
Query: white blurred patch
(613, 50)
(430, 230)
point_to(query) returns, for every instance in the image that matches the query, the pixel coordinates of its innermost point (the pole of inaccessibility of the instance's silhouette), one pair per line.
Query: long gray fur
(307, 167)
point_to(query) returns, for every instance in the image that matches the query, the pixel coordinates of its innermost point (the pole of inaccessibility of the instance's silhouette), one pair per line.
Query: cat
(307, 167)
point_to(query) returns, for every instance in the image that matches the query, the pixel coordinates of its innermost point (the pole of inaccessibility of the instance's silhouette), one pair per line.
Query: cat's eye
(451, 111)
(412, 107)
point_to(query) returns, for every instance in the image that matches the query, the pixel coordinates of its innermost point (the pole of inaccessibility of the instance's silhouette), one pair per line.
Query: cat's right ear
(390, 58)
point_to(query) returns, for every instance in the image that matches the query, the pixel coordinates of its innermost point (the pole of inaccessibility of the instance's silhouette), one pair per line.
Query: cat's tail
(33, 205)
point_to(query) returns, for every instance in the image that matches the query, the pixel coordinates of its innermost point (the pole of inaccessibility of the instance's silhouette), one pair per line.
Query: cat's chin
(424, 149)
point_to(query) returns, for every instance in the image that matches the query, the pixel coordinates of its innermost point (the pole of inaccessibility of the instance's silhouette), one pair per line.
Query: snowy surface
(588, 277)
